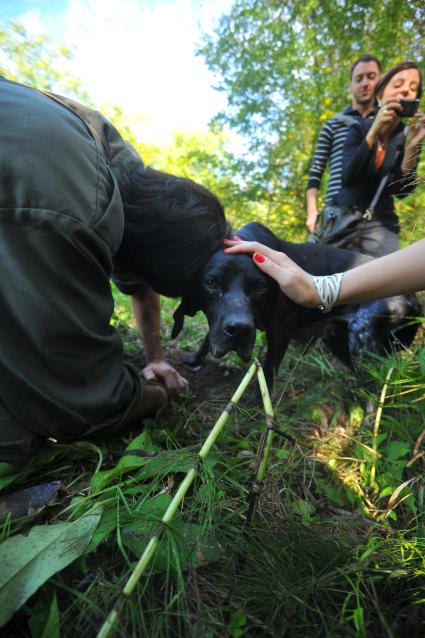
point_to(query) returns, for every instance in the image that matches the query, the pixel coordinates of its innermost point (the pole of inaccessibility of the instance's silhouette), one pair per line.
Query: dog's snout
(238, 329)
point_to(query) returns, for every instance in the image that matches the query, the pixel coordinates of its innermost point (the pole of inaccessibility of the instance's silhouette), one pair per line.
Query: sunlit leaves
(285, 67)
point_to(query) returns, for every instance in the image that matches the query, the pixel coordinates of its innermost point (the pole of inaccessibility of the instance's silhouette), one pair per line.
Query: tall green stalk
(265, 445)
(376, 427)
(152, 546)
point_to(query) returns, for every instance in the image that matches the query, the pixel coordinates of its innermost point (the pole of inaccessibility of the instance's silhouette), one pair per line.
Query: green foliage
(28, 561)
(284, 68)
(327, 555)
(310, 561)
(45, 620)
(35, 62)
(202, 157)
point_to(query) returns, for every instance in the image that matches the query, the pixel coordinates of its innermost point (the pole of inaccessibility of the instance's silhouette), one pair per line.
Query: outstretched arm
(397, 273)
(146, 310)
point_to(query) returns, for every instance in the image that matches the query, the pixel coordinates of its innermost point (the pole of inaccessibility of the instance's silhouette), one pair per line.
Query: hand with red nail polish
(293, 280)
(232, 242)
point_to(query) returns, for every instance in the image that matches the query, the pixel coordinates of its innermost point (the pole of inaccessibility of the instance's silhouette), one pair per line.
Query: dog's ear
(189, 305)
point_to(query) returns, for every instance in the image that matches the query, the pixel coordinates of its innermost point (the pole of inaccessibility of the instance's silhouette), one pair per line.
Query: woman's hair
(171, 227)
(380, 87)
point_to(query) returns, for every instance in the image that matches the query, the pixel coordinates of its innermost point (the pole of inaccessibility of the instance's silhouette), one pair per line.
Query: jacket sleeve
(321, 156)
(357, 156)
(402, 184)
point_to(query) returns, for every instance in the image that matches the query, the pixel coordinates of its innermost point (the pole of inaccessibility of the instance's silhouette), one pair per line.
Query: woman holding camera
(380, 160)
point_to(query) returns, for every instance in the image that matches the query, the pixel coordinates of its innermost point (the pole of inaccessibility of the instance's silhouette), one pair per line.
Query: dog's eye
(212, 285)
(260, 288)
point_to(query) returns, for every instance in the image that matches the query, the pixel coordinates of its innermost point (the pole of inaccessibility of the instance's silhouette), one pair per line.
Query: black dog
(237, 298)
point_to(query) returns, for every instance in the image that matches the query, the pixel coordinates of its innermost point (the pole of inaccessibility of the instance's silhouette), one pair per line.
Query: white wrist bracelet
(328, 288)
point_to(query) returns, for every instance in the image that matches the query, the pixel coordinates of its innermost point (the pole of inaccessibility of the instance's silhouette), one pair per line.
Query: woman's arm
(397, 273)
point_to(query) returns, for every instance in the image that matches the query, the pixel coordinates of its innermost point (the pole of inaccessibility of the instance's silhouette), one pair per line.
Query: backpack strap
(344, 119)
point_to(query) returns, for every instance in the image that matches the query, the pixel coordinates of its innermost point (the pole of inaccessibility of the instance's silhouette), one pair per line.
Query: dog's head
(235, 297)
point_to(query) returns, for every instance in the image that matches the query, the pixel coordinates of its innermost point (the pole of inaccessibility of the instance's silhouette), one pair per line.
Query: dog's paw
(193, 361)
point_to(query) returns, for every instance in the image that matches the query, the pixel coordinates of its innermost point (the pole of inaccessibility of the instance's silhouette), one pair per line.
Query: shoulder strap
(343, 118)
(399, 143)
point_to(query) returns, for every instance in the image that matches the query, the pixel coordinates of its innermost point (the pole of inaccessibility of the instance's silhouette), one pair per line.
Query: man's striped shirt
(330, 148)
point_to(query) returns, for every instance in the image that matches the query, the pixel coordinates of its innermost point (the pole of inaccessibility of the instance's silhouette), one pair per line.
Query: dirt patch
(215, 381)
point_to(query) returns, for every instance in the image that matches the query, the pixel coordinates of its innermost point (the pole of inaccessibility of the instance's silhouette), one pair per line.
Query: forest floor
(337, 544)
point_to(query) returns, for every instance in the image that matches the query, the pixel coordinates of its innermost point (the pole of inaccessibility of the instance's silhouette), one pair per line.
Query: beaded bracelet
(328, 288)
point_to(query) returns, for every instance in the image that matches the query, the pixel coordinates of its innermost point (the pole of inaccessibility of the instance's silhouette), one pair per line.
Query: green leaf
(282, 454)
(332, 493)
(51, 630)
(237, 624)
(397, 450)
(126, 464)
(44, 614)
(358, 618)
(29, 560)
(108, 523)
(386, 491)
(304, 509)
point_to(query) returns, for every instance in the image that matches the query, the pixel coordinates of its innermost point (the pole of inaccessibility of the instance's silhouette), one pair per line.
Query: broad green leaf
(29, 560)
(397, 450)
(126, 464)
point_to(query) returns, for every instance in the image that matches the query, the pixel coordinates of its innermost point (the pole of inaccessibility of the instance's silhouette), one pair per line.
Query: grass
(337, 548)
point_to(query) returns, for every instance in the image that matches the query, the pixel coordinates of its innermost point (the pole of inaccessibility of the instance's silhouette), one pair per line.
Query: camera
(409, 108)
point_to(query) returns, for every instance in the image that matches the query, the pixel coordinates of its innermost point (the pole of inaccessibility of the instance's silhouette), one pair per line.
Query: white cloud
(139, 55)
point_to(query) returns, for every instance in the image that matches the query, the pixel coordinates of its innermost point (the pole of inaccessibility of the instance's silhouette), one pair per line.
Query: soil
(216, 380)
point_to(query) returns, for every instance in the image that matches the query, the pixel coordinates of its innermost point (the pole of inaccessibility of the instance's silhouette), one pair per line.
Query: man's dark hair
(364, 58)
(171, 227)
(403, 66)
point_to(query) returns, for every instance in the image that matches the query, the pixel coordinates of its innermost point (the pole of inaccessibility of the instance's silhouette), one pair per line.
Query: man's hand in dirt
(174, 382)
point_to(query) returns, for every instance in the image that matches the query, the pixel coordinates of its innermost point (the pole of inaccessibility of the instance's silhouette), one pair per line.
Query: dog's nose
(238, 329)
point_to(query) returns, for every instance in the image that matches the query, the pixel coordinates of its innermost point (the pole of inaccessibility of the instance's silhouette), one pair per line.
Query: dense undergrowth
(337, 546)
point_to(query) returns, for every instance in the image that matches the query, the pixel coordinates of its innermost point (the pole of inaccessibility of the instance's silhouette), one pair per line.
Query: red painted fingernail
(259, 258)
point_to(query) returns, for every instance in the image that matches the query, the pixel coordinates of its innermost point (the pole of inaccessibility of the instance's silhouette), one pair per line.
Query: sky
(136, 54)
